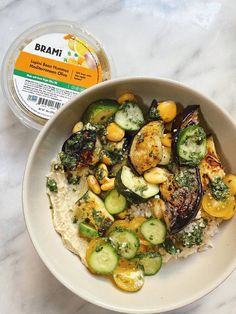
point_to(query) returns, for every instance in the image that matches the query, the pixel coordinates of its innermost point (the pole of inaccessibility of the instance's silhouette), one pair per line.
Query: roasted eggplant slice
(188, 139)
(188, 116)
(146, 148)
(81, 146)
(182, 193)
(152, 112)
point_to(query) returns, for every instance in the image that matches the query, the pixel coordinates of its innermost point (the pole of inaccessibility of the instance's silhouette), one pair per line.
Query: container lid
(48, 65)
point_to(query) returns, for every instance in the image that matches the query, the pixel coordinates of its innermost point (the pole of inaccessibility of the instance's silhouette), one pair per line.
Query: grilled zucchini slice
(146, 148)
(134, 188)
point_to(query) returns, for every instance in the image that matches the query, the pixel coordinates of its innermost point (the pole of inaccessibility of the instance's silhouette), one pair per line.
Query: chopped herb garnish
(186, 177)
(101, 130)
(141, 189)
(85, 197)
(219, 190)
(193, 233)
(68, 161)
(73, 179)
(99, 248)
(52, 185)
(170, 247)
(57, 167)
(114, 156)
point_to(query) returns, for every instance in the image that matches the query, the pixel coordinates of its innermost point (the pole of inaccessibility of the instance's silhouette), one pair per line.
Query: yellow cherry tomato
(230, 214)
(167, 110)
(217, 208)
(128, 279)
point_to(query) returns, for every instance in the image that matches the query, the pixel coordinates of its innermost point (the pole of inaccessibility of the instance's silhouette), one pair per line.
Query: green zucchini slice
(87, 231)
(150, 261)
(154, 231)
(129, 117)
(115, 202)
(125, 241)
(135, 189)
(100, 111)
(103, 259)
(191, 145)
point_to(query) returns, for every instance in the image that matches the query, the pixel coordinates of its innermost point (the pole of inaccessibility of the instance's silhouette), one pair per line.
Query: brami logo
(49, 50)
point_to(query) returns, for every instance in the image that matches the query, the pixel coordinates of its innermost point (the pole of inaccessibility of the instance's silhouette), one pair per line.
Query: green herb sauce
(52, 185)
(68, 161)
(219, 189)
(189, 238)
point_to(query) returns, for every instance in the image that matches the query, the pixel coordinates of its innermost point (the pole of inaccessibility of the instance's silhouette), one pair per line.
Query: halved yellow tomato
(229, 215)
(128, 278)
(217, 208)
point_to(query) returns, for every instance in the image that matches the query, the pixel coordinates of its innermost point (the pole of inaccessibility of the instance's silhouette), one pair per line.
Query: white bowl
(179, 283)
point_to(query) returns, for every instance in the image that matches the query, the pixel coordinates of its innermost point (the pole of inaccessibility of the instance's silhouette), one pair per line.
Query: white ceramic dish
(179, 283)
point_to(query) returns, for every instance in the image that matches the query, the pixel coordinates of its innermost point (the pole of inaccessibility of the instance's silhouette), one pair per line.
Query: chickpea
(155, 175)
(77, 127)
(166, 156)
(108, 185)
(93, 184)
(101, 173)
(126, 97)
(158, 207)
(106, 160)
(166, 140)
(114, 132)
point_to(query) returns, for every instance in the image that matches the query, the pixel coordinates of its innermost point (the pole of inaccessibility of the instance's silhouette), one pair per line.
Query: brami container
(48, 65)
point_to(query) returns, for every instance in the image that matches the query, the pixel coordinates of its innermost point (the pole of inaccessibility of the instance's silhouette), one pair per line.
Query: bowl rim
(25, 205)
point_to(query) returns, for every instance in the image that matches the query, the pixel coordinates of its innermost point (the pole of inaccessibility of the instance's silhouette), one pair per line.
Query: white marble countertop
(190, 41)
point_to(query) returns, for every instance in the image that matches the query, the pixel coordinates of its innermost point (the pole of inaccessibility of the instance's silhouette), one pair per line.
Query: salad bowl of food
(129, 195)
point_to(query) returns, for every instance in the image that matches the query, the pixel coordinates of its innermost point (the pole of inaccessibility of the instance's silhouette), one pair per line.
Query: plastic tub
(47, 66)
